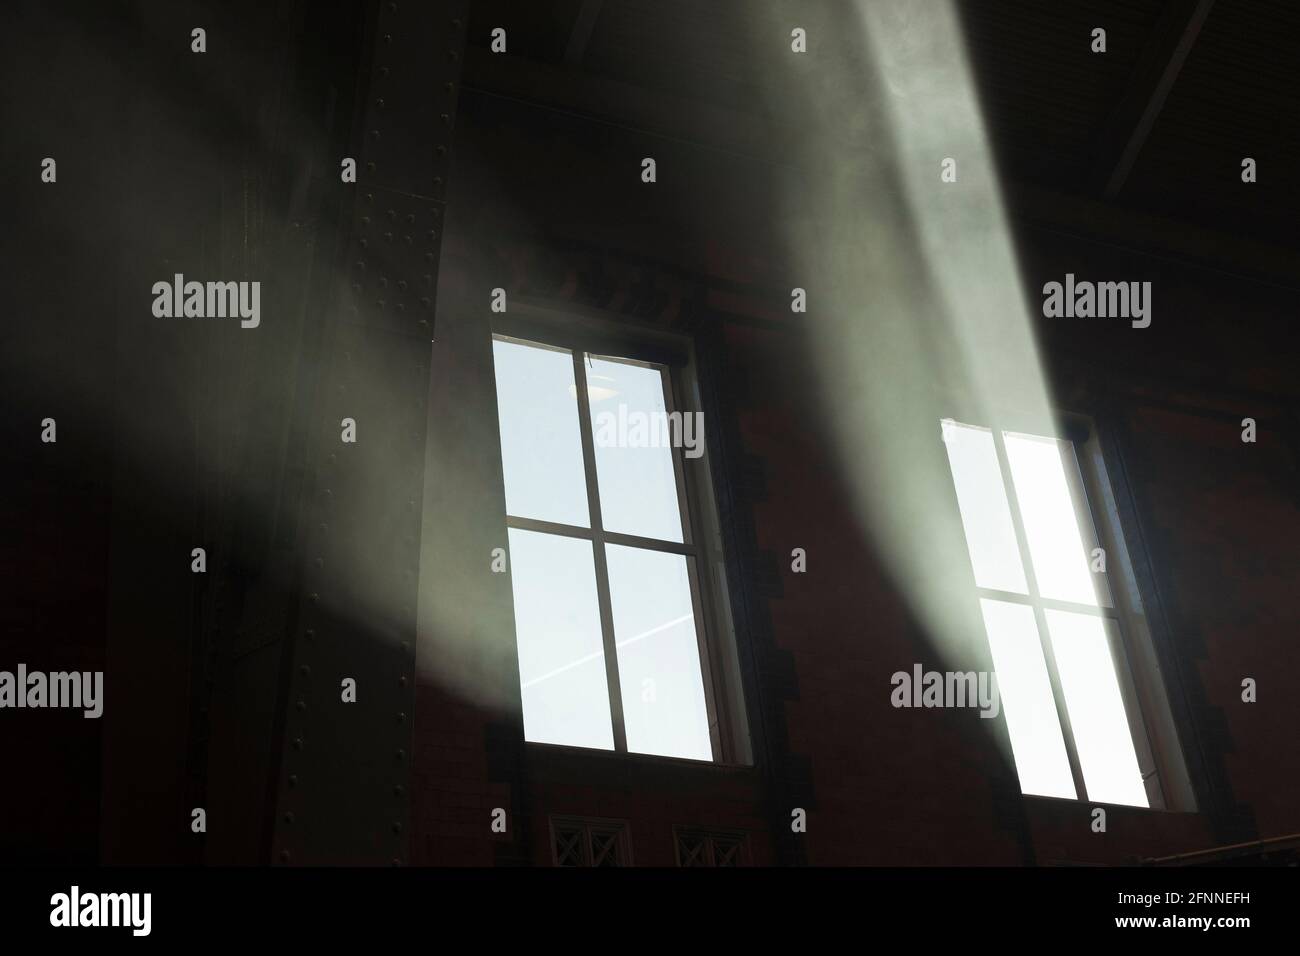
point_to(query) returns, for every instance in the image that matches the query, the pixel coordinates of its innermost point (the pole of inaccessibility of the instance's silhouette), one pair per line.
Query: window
(710, 848)
(615, 557)
(1063, 617)
(583, 841)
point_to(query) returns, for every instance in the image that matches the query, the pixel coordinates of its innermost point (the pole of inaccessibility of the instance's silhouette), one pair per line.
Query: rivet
(374, 134)
(401, 754)
(432, 234)
(446, 119)
(363, 242)
(310, 633)
(401, 307)
(288, 816)
(383, 71)
(449, 87)
(305, 670)
(371, 167)
(401, 284)
(410, 218)
(360, 264)
(388, 236)
(297, 743)
(441, 150)
(380, 303)
(314, 597)
(379, 103)
(392, 215)
(428, 279)
(407, 237)
(428, 257)
(356, 287)
(392, 8)
(369, 197)
(453, 55)
(284, 856)
(293, 780)
(388, 38)
(396, 862)
(383, 282)
(401, 681)
(401, 718)
(424, 323)
(426, 302)
(398, 790)
(397, 826)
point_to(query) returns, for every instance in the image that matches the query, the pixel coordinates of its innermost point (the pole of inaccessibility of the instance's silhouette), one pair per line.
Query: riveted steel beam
(344, 775)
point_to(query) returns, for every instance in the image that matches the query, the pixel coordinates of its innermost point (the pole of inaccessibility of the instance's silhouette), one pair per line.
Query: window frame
(1094, 496)
(584, 335)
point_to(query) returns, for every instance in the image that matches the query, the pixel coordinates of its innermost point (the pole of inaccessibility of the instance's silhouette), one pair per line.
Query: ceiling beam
(583, 25)
(1157, 69)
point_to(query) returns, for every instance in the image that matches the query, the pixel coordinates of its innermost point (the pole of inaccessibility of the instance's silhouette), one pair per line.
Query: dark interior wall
(571, 227)
(173, 433)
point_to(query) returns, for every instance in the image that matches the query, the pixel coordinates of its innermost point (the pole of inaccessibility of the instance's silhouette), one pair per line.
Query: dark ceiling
(1158, 124)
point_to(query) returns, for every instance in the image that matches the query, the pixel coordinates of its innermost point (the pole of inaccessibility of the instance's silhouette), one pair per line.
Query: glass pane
(633, 436)
(1025, 690)
(561, 655)
(541, 444)
(1051, 528)
(985, 514)
(1101, 730)
(658, 654)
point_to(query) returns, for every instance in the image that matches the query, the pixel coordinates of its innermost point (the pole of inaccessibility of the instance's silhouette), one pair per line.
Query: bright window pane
(1051, 529)
(658, 654)
(632, 434)
(557, 625)
(1027, 703)
(541, 443)
(1102, 736)
(985, 514)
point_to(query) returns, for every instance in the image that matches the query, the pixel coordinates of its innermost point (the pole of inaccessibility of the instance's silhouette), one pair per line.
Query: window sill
(564, 762)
